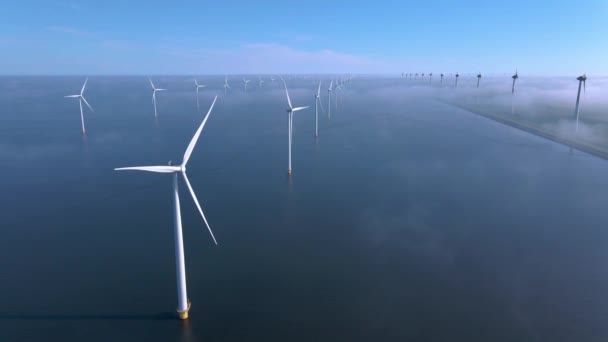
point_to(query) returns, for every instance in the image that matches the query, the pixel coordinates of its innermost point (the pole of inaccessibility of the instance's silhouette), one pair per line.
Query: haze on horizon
(540, 38)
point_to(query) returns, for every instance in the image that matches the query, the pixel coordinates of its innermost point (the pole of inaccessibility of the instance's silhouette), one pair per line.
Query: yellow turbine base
(183, 315)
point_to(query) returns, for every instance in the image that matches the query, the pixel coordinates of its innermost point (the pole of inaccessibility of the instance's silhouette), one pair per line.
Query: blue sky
(218, 37)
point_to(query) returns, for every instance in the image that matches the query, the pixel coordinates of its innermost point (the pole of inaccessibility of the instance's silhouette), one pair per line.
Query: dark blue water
(407, 219)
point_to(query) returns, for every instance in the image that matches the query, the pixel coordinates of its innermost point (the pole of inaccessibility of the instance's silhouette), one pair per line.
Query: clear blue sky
(201, 37)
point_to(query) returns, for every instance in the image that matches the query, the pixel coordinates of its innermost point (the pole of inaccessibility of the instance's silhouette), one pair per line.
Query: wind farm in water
(464, 206)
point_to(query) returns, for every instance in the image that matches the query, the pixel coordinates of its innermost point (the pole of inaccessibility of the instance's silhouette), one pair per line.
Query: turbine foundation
(183, 314)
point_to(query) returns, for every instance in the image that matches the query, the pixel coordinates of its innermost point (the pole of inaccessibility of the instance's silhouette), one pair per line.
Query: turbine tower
(582, 80)
(478, 78)
(430, 77)
(441, 80)
(154, 90)
(317, 103)
(80, 100)
(329, 90)
(290, 112)
(457, 75)
(183, 304)
(198, 86)
(514, 77)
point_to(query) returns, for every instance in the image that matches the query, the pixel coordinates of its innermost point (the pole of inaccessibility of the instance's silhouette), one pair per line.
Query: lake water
(407, 219)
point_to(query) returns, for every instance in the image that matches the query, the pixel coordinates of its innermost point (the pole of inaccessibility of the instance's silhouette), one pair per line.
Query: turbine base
(183, 315)
(289, 172)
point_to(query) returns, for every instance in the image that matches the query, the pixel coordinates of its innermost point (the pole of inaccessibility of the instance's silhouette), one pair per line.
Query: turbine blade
(298, 108)
(319, 90)
(152, 84)
(200, 210)
(72, 96)
(84, 85)
(159, 169)
(321, 103)
(88, 105)
(287, 92)
(196, 135)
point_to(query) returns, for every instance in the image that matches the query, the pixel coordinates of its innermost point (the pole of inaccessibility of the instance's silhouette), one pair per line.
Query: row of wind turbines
(183, 302)
(582, 81)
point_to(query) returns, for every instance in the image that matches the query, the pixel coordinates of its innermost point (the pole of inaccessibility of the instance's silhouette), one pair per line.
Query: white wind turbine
(226, 86)
(246, 82)
(261, 81)
(290, 112)
(154, 90)
(183, 304)
(329, 90)
(317, 103)
(198, 86)
(80, 99)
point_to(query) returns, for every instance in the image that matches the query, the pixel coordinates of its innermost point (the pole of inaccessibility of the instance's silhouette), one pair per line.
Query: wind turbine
(582, 80)
(329, 90)
(198, 86)
(183, 304)
(441, 81)
(154, 90)
(416, 76)
(422, 77)
(457, 75)
(80, 99)
(290, 112)
(226, 86)
(430, 77)
(261, 81)
(514, 77)
(271, 79)
(478, 78)
(246, 82)
(317, 103)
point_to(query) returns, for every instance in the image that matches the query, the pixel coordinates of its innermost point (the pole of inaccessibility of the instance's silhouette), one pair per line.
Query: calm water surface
(407, 219)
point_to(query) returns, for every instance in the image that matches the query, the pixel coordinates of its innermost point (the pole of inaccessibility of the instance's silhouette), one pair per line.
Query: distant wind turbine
(183, 304)
(416, 76)
(226, 86)
(261, 81)
(198, 86)
(422, 77)
(441, 81)
(430, 77)
(80, 100)
(329, 90)
(154, 90)
(478, 78)
(457, 75)
(290, 112)
(514, 77)
(582, 80)
(317, 103)
(246, 82)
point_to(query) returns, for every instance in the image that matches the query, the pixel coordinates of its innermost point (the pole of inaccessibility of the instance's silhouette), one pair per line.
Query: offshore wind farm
(351, 197)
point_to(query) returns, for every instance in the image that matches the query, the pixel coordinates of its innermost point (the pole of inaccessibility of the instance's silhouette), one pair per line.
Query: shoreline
(543, 134)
